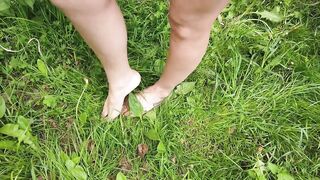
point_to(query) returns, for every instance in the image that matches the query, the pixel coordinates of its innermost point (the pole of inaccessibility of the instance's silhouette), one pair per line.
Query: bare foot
(114, 102)
(150, 98)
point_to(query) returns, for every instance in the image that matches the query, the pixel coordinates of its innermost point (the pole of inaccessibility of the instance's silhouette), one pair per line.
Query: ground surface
(254, 111)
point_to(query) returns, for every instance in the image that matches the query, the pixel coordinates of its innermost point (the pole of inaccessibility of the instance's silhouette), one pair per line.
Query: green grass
(256, 98)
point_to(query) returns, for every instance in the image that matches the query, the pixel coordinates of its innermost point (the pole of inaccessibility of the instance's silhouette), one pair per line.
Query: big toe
(114, 112)
(105, 109)
(112, 109)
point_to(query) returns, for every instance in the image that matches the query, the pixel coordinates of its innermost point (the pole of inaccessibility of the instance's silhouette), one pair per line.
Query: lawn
(251, 110)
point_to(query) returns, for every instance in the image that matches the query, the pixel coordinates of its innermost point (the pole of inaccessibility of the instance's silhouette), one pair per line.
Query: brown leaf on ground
(46, 87)
(111, 177)
(76, 62)
(39, 178)
(53, 123)
(142, 150)
(27, 98)
(64, 139)
(90, 145)
(174, 159)
(260, 149)
(190, 122)
(124, 164)
(232, 130)
(183, 141)
(65, 142)
(69, 122)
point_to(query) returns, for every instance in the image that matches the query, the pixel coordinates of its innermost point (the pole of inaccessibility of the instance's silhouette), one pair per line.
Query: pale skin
(101, 24)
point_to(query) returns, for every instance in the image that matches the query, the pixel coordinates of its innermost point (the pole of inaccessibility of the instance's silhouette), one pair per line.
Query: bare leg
(191, 22)
(101, 24)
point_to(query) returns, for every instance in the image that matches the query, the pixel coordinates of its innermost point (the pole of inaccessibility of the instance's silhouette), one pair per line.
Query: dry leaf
(111, 177)
(190, 122)
(174, 159)
(42, 136)
(260, 149)
(90, 145)
(69, 122)
(53, 123)
(142, 150)
(125, 164)
(232, 130)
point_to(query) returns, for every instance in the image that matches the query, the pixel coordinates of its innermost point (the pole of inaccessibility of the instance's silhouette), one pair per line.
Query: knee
(185, 28)
(179, 27)
(82, 5)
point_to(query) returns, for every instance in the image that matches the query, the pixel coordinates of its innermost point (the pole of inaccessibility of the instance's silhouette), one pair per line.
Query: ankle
(121, 81)
(163, 91)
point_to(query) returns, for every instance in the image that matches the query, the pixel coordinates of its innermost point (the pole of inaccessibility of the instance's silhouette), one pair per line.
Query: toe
(105, 109)
(115, 107)
(126, 112)
(114, 112)
(125, 108)
(145, 102)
